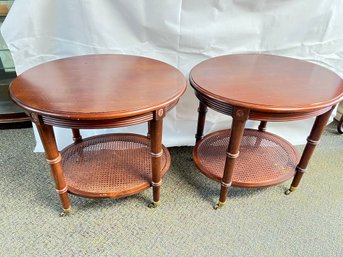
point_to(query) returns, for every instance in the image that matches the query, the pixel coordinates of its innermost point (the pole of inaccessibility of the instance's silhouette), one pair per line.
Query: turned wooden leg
(313, 139)
(54, 158)
(76, 135)
(156, 155)
(202, 110)
(149, 130)
(237, 131)
(262, 126)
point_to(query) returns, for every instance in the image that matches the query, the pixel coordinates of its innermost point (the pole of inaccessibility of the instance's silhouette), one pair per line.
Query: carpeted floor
(255, 222)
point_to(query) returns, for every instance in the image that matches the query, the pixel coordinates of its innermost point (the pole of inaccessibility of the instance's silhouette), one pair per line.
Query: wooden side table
(264, 88)
(102, 91)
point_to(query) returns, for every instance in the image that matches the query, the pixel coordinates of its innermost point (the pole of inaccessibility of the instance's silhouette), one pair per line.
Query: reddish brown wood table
(263, 88)
(102, 91)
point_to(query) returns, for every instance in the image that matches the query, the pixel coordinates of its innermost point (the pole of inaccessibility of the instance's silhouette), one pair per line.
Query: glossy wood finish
(156, 154)
(312, 141)
(98, 87)
(53, 157)
(267, 83)
(268, 88)
(99, 91)
(76, 135)
(202, 110)
(262, 126)
(239, 118)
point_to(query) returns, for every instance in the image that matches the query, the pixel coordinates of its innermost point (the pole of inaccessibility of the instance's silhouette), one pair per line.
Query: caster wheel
(65, 212)
(218, 205)
(287, 192)
(290, 190)
(153, 204)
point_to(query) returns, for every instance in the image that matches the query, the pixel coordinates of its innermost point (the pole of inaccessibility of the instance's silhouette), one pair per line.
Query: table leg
(202, 110)
(262, 126)
(156, 155)
(149, 130)
(76, 135)
(237, 131)
(313, 139)
(54, 158)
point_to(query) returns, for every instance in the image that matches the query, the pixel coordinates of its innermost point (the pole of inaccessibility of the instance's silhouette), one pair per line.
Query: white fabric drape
(181, 33)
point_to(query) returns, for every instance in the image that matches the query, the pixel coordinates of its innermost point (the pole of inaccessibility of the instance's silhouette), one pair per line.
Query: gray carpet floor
(255, 222)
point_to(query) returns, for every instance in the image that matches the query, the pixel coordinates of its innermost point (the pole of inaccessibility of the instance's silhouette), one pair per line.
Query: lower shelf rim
(244, 175)
(110, 166)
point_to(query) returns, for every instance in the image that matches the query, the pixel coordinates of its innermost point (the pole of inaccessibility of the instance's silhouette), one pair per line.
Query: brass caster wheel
(154, 204)
(65, 212)
(218, 205)
(290, 190)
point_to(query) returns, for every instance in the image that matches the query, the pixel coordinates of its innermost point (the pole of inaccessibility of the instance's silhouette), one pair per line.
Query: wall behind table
(181, 33)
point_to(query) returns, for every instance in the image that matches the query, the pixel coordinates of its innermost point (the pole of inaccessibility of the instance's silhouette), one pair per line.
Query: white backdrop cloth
(181, 33)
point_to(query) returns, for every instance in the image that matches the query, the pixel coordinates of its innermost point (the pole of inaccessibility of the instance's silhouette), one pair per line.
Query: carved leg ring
(54, 159)
(238, 123)
(312, 141)
(156, 156)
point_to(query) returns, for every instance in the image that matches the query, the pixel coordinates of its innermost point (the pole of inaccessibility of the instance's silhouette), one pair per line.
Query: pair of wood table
(106, 91)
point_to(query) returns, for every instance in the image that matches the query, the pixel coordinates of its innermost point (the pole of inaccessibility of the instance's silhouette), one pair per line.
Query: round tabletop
(267, 83)
(105, 86)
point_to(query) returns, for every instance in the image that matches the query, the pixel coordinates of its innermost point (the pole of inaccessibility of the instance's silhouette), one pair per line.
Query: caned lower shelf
(265, 159)
(112, 165)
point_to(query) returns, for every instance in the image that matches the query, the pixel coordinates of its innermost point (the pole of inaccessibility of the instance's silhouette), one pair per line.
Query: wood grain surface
(94, 87)
(267, 83)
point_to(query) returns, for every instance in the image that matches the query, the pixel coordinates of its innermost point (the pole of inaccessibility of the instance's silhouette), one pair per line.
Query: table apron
(227, 109)
(264, 116)
(97, 124)
(214, 104)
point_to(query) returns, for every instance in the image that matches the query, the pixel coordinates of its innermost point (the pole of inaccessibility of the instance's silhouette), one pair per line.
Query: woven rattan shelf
(265, 159)
(112, 165)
